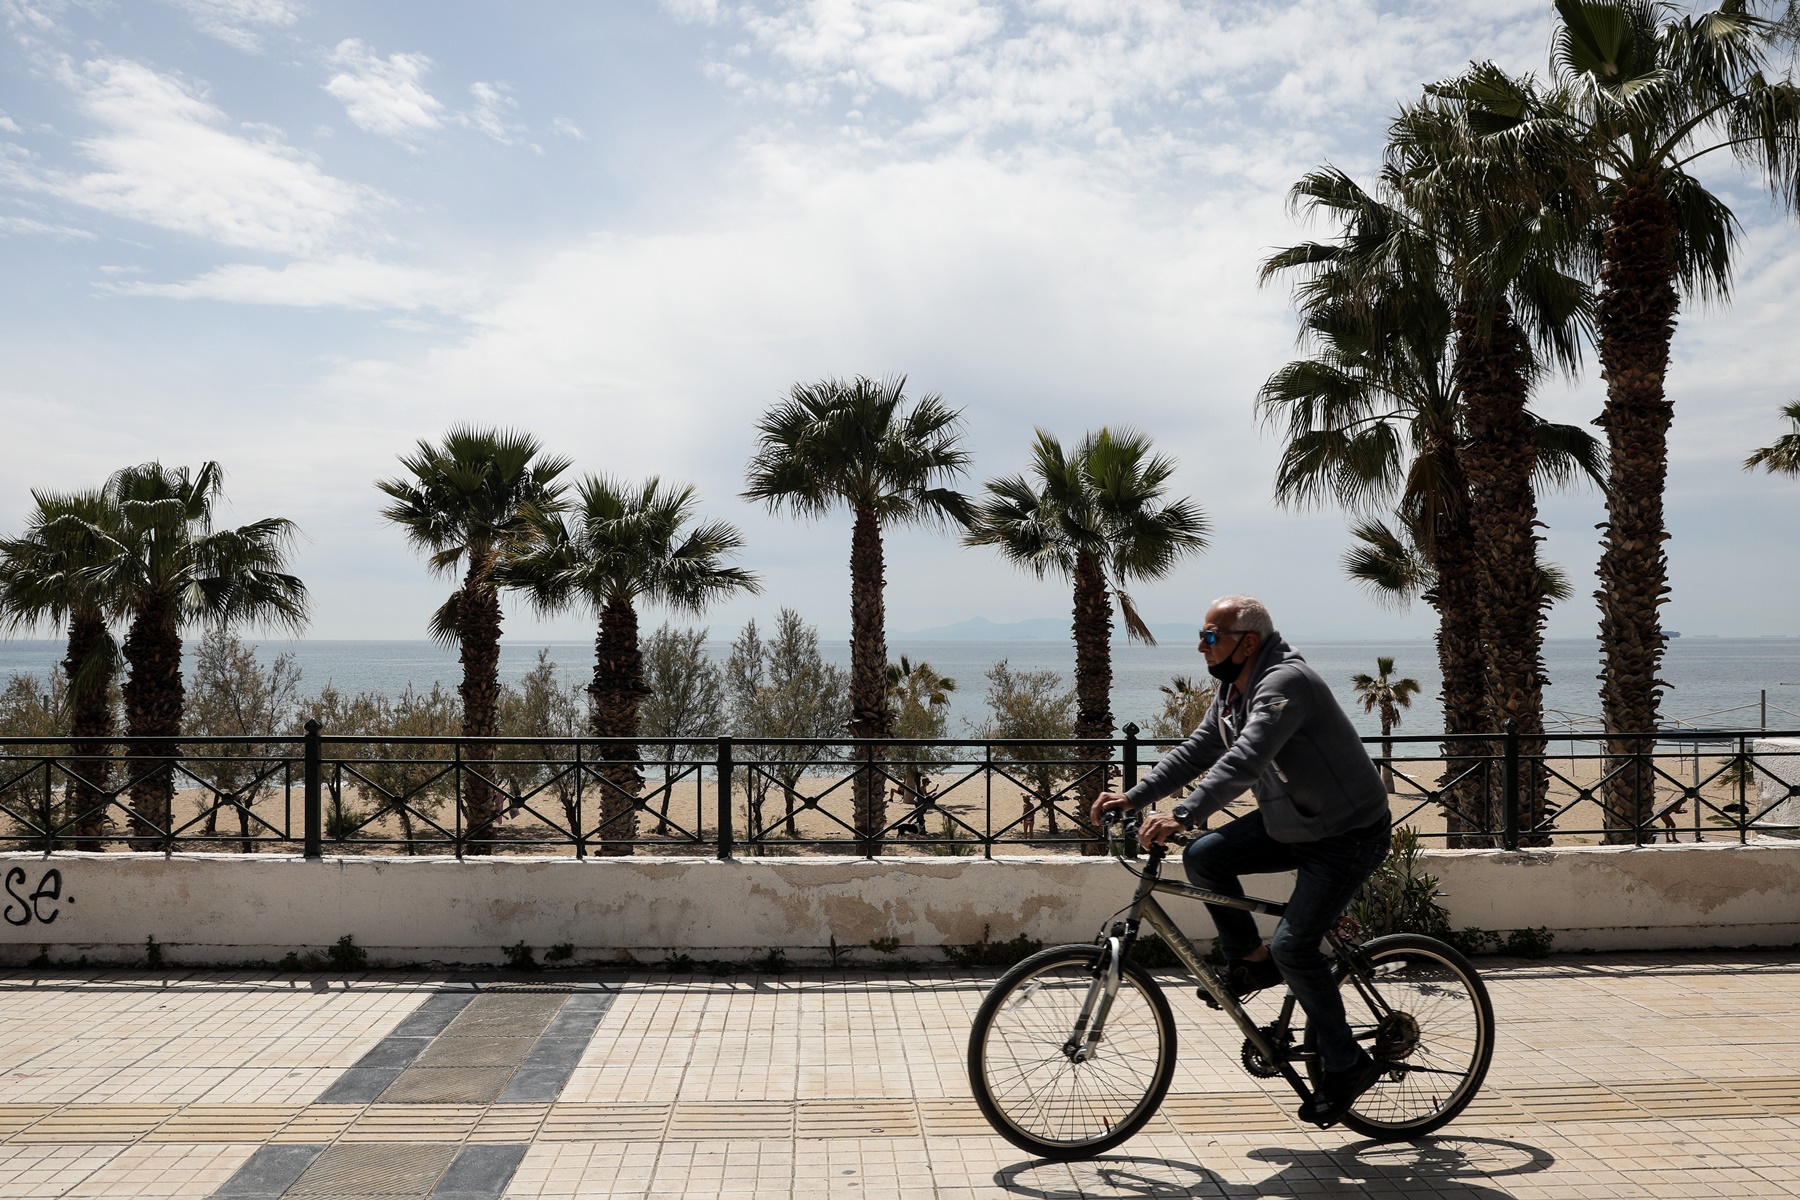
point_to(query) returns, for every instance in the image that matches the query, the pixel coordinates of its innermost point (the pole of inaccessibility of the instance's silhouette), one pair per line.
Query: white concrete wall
(226, 908)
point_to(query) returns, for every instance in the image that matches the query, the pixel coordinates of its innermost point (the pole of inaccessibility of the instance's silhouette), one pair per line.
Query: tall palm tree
(1382, 693)
(169, 568)
(1782, 456)
(862, 445)
(465, 501)
(1646, 94)
(47, 578)
(1099, 516)
(1504, 217)
(622, 546)
(1393, 310)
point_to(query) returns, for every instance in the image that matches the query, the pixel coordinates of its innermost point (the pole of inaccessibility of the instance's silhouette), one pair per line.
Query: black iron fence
(321, 793)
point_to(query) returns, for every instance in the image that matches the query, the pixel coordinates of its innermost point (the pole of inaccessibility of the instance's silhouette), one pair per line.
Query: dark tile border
(269, 1172)
(480, 1172)
(382, 1065)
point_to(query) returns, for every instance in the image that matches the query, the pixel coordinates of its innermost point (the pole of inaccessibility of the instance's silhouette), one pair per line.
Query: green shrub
(772, 963)
(153, 953)
(885, 945)
(561, 952)
(346, 955)
(1529, 943)
(1399, 897)
(520, 957)
(987, 953)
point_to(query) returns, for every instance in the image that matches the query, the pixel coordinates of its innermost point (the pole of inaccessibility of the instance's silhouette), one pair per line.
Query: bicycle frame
(1145, 910)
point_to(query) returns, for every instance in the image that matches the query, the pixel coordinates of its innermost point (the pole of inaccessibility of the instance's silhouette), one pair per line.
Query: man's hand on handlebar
(1109, 802)
(1156, 829)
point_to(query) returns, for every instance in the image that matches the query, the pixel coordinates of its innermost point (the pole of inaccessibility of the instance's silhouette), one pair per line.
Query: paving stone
(373, 1171)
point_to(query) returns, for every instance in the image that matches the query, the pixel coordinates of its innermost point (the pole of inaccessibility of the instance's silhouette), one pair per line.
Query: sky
(296, 237)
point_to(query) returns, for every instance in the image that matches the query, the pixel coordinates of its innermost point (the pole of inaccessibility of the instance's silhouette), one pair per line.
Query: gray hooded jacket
(1287, 740)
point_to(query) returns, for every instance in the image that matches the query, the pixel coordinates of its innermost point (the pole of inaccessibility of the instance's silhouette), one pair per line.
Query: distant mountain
(1037, 629)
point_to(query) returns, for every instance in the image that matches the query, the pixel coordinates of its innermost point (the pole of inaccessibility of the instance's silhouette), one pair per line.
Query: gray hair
(1247, 615)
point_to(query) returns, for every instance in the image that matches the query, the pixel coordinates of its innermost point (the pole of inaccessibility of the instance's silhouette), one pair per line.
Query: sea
(1714, 682)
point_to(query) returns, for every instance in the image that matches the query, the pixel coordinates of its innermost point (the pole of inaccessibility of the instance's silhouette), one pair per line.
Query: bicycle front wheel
(1034, 1088)
(1434, 1025)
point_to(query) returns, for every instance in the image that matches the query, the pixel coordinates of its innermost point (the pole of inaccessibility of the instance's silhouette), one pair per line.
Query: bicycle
(1073, 1050)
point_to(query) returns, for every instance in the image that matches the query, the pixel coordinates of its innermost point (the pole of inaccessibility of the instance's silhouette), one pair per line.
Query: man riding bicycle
(1321, 810)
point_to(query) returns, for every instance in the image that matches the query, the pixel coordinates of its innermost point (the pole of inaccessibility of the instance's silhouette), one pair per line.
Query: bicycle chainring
(1254, 1062)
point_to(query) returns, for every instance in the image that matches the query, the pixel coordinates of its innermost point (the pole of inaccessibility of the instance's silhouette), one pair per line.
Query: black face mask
(1224, 670)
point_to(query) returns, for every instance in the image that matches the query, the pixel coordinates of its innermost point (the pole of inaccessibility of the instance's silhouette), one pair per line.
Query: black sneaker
(1338, 1092)
(1244, 977)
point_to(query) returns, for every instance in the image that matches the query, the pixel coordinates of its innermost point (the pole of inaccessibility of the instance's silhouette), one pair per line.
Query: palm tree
(1393, 310)
(167, 567)
(1646, 93)
(622, 546)
(863, 446)
(1384, 694)
(1099, 517)
(466, 503)
(1782, 457)
(47, 578)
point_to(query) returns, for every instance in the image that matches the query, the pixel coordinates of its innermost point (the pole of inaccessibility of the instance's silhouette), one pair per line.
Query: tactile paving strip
(203, 1124)
(1575, 1102)
(1780, 1094)
(97, 1123)
(1686, 1098)
(1225, 1112)
(703, 1122)
(413, 1123)
(605, 1123)
(953, 1118)
(855, 1119)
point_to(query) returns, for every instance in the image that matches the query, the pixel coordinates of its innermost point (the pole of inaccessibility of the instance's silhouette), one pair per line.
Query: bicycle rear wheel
(1438, 1032)
(1029, 1084)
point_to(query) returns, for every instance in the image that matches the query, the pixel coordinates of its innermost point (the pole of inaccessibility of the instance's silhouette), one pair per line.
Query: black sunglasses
(1210, 637)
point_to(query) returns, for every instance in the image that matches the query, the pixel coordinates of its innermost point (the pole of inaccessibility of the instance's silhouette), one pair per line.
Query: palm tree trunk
(869, 714)
(153, 701)
(1455, 595)
(618, 691)
(1492, 365)
(90, 727)
(1387, 747)
(1093, 680)
(478, 628)
(1637, 310)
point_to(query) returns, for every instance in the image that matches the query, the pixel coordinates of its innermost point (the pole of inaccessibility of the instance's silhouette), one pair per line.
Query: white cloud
(488, 116)
(342, 281)
(169, 158)
(27, 225)
(384, 96)
(10, 125)
(1154, 75)
(568, 129)
(239, 23)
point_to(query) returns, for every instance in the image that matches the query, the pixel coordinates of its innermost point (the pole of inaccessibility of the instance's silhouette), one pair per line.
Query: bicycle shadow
(1440, 1166)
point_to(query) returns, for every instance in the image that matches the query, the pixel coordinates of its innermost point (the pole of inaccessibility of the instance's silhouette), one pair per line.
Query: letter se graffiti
(22, 908)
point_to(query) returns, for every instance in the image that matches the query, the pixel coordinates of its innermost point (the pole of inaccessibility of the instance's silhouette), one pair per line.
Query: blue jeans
(1329, 872)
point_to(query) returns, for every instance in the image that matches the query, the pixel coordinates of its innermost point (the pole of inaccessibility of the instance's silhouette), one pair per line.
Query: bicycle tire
(1452, 1040)
(1030, 1090)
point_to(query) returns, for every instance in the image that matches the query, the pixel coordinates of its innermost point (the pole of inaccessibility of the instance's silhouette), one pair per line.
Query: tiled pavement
(1668, 1075)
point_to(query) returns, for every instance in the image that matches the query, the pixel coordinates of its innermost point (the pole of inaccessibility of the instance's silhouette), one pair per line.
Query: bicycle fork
(1084, 1039)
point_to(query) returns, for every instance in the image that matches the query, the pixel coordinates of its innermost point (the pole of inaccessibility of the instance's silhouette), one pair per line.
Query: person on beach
(1321, 810)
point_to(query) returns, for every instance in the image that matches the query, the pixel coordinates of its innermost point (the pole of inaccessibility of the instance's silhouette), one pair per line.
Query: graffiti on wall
(40, 903)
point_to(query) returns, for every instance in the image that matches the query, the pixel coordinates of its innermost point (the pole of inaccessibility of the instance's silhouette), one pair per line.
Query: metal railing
(320, 792)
